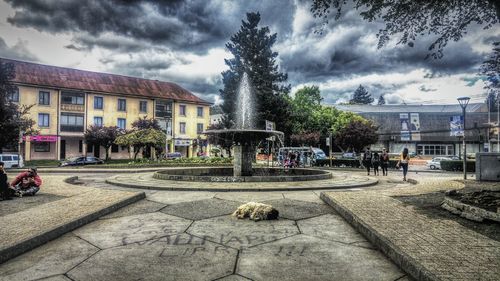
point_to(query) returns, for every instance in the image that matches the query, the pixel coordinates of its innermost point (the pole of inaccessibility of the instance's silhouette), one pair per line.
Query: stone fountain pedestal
(243, 156)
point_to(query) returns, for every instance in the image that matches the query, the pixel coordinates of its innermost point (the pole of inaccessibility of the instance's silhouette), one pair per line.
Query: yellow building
(66, 101)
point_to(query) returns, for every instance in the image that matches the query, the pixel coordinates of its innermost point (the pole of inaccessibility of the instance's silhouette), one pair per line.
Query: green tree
(103, 136)
(361, 96)
(145, 123)
(446, 20)
(304, 106)
(381, 100)
(356, 135)
(251, 47)
(14, 119)
(142, 139)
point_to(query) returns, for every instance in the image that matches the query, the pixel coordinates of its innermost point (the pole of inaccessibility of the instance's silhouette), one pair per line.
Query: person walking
(376, 163)
(367, 160)
(404, 160)
(384, 162)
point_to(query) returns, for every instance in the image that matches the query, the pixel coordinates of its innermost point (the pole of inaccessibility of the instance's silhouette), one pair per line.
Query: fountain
(245, 138)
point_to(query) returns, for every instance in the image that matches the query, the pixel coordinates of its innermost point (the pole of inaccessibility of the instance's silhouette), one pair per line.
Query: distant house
(428, 130)
(215, 114)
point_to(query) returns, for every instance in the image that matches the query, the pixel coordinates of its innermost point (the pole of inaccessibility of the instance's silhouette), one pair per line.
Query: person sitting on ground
(27, 183)
(6, 192)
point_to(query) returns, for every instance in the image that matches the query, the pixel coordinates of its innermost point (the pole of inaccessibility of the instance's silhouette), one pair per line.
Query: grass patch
(41, 163)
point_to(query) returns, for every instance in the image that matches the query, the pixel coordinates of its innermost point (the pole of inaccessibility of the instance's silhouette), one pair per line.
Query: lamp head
(463, 101)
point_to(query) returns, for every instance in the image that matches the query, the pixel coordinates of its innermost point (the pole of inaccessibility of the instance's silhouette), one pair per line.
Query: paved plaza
(190, 235)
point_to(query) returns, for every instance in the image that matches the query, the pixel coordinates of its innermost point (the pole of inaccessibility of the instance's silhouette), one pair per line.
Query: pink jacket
(19, 178)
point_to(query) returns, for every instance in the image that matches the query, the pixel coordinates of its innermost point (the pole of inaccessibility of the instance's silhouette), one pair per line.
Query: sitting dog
(256, 211)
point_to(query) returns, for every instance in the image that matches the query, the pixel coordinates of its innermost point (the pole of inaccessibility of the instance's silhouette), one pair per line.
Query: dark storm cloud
(181, 25)
(18, 51)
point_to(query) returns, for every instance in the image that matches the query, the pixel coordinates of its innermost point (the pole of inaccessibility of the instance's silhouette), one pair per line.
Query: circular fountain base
(225, 174)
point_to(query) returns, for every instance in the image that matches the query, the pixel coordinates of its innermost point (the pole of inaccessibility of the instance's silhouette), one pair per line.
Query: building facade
(67, 101)
(431, 130)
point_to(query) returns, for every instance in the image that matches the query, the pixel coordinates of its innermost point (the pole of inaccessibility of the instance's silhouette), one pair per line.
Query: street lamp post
(464, 101)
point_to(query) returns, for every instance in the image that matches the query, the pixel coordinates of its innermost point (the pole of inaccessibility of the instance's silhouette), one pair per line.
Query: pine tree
(381, 100)
(251, 47)
(361, 96)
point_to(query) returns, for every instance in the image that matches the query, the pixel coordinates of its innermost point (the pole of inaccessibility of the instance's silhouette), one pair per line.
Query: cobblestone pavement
(189, 235)
(430, 248)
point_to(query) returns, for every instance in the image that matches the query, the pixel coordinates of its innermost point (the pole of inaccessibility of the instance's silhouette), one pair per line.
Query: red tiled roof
(68, 78)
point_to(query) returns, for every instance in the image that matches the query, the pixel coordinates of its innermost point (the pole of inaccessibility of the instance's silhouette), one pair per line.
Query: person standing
(376, 163)
(367, 160)
(384, 161)
(404, 160)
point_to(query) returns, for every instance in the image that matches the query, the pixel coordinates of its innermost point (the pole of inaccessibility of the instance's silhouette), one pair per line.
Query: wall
(110, 113)
(29, 96)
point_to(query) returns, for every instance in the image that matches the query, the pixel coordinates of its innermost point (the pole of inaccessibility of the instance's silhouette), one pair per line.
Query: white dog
(256, 211)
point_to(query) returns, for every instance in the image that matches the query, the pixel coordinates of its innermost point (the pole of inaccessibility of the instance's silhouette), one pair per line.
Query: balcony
(72, 107)
(72, 128)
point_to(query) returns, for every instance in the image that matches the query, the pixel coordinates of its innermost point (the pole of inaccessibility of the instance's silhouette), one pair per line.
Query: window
(182, 127)
(72, 98)
(98, 121)
(163, 109)
(182, 110)
(14, 96)
(44, 98)
(435, 149)
(122, 105)
(98, 102)
(114, 148)
(143, 106)
(199, 128)
(122, 123)
(42, 147)
(200, 111)
(43, 120)
(71, 122)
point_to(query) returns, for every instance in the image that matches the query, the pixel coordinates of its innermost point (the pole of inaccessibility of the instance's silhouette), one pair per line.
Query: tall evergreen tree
(251, 47)
(361, 96)
(381, 100)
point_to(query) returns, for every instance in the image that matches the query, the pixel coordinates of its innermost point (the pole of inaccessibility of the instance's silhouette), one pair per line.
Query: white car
(12, 161)
(435, 163)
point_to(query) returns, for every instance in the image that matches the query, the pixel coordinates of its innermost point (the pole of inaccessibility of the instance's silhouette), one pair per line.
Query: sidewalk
(427, 248)
(58, 208)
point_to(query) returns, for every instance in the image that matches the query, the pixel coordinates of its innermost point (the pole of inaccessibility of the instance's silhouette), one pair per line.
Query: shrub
(457, 165)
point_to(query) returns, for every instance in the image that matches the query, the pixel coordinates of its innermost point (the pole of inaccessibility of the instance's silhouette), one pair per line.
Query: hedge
(353, 163)
(457, 165)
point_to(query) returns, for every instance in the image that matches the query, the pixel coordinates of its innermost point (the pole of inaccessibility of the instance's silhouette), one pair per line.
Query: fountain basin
(226, 174)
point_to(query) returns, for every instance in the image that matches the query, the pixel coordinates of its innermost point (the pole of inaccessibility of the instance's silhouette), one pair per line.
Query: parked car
(81, 160)
(173, 155)
(349, 155)
(454, 157)
(435, 163)
(12, 160)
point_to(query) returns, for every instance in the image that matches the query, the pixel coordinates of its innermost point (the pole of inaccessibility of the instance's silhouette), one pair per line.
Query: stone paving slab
(54, 258)
(426, 248)
(146, 181)
(180, 257)
(47, 221)
(331, 227)
(140, 207)
(309, 258)
(297, 210)
(202, 209)
(242, 233)
(125, 230)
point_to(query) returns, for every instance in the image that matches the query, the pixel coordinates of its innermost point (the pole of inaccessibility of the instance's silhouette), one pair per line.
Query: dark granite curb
(398, 256)
(51, 234)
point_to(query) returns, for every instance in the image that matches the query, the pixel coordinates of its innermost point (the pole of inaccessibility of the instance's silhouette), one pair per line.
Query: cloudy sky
(183, 42)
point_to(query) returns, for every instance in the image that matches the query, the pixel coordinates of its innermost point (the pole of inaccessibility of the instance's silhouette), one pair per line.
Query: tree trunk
(107, 152)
